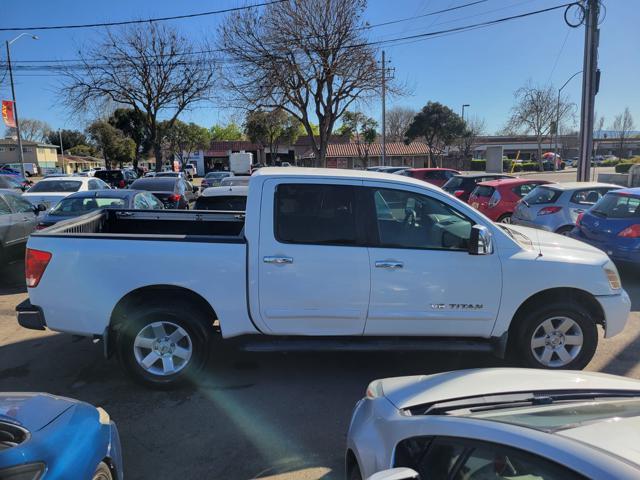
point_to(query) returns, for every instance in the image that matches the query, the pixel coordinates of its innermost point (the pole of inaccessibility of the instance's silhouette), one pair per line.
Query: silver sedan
(555, 207)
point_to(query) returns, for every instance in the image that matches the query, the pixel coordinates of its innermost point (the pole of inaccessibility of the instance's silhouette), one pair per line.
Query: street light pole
(463, 107)
(555, 150)
(15, 105)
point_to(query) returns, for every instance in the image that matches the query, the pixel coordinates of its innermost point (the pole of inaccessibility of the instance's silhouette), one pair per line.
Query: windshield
(12, 180)
(453, 183)
(79, 206)
(56, 186)
(542, 195)
(564, 415)
(616, 205)
(235, 203)
(234, 181)
(217, 175)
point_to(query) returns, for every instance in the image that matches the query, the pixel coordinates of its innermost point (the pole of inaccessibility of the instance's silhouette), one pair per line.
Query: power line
(131, 22)
(405, 39)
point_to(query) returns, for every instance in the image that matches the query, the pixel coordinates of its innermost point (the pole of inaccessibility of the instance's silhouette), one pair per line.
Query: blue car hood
(33, 411)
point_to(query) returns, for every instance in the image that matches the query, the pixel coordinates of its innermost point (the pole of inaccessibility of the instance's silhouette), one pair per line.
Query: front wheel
(560, 335)
(506, 218)
(103, 472)
(164, 346)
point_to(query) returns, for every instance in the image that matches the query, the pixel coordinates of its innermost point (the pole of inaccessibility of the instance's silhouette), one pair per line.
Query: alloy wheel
(163, 348)
(557, 341)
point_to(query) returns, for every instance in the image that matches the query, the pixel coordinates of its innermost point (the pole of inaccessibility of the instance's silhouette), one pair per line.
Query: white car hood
(561, 246)
(406, 392)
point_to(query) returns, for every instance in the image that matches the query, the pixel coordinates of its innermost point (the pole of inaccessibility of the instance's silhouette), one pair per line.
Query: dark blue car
(50, 437)
(613, 225)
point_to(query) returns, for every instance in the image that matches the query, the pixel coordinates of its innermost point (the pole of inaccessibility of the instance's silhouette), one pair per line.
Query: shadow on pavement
(12, 279)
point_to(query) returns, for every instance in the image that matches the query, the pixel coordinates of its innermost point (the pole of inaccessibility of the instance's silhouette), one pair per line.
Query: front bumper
(616, 310)
(30, 316)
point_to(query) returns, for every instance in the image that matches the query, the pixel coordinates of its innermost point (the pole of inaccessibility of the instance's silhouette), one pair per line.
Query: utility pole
(465, 105)
(589, 86)
(384, 110)
(64, 170)
(15, 110)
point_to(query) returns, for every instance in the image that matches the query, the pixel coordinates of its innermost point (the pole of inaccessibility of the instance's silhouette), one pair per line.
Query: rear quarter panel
(87, 277)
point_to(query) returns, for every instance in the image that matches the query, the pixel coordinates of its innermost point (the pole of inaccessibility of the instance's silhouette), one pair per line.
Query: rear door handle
(388, 264)
(278, 260)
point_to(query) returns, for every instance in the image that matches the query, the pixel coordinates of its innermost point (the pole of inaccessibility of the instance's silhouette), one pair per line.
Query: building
(44, 155)
(347, 155)
(76, 163)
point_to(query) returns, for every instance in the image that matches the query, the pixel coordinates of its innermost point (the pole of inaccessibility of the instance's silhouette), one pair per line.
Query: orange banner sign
(7, 113)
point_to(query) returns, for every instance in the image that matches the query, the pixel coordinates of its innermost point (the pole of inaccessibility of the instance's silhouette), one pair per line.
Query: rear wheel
(163, 346)
(103, 472)
(506, 218)
(354, 472)
(560, 335)
(564, 230)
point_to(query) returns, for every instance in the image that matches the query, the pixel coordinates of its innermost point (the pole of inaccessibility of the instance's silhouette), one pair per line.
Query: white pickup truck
(322, 259)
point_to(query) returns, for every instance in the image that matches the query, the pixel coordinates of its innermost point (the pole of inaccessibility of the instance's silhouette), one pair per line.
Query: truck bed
(152, 224)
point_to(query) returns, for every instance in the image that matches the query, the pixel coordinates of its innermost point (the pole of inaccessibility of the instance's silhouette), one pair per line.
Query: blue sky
(482, 67)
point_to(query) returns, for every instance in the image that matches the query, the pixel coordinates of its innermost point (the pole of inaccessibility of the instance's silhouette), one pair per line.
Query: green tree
(81, 150)
(229, 132)
(183, 139)
(114, 145)
(132, 123)
(362, 129)
(438, 126)
(70, 138)
(271, 129)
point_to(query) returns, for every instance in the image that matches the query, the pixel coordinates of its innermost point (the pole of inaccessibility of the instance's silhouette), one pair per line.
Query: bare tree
(150, 68)
(31, 130)
(536, 110)
(308, 57)
(598, 125)
(622, 126)
(474, 127)
(398, 120)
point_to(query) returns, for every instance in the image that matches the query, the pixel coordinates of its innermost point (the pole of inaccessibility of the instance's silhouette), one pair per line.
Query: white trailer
(240, 163)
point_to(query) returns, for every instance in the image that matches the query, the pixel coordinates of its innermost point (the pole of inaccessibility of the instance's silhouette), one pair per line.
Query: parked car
(30, 169)
(497, 199)
(52, 437)
(190, 170)
(49, 191)
(173, 192)
(498, 423)
(386, 169)
(235, 181)
(613, 225)
(17, 220)
(13, 182)
(116, 178)
(461, 186)
(391, 253)
(434, 176)
(223, 198)
(555, 207)
(7, 170)
(82, 203)
(213, 179)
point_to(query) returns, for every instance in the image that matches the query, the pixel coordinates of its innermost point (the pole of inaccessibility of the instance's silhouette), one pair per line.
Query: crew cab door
(423, 280)
(313, 271)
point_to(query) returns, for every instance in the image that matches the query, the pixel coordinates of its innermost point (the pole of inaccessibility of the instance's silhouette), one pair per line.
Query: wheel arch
(141, 295)
(576, 295)
(350, 461)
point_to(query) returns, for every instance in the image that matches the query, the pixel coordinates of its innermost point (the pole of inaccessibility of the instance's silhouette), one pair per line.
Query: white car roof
(579, 185)
(235, 190)
(407, 392)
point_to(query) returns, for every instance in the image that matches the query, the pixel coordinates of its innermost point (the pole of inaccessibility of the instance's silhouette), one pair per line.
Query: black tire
(199, 339)
(103, 472)
(505, 217)
(529, 324)
(564, 230)
(354, 472)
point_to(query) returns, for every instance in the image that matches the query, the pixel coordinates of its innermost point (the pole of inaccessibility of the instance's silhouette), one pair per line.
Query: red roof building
(348, 155)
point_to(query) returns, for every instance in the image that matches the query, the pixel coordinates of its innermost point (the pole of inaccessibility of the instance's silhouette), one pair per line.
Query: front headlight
(612, 275)
(29, 471)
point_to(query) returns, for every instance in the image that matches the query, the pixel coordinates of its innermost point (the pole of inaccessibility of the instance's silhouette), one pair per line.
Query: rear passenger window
(315, 214)
(587, 197)
(524, 189)
(4, 208)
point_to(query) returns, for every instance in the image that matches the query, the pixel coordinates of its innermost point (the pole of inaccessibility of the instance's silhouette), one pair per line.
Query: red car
(435, 176)
(497, 199)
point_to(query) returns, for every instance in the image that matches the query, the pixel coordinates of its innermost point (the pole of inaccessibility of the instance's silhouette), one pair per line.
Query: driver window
(410, 220)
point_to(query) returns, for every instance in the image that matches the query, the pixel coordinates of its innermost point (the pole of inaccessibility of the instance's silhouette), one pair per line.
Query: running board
(253, 343)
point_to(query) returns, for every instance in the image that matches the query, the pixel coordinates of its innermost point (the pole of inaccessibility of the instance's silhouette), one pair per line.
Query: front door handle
(389, 264)
(278, 260)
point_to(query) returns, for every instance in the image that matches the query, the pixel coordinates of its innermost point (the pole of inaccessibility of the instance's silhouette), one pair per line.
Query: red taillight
(121, 184)
(458, 193)
(632, 231)
(579, 219)
(549, 210)
(174, 197)
(36, 262)
(40, 227)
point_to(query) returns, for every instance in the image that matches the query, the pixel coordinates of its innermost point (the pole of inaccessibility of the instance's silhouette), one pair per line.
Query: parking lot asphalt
(269, 416)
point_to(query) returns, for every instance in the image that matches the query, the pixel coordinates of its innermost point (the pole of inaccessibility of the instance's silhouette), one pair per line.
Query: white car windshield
(56, 186)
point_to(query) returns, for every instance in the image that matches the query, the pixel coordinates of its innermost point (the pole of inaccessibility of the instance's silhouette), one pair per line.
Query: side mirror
(395, 474)
(481, 241)
(41, 207)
